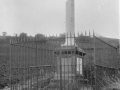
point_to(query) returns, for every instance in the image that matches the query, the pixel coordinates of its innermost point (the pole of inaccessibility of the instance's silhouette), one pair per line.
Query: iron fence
(49, 64)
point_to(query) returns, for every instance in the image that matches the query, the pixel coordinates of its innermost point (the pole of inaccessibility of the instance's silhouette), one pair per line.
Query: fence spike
(77, 34)
(74, 34)
(45, 36)
(56, 35)
(66, 35)
(93, 33)
(89, 33)
(81, 33)
(85, 33)
(53, 36)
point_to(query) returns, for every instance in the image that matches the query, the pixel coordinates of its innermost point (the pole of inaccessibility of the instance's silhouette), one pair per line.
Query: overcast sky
(48, 16)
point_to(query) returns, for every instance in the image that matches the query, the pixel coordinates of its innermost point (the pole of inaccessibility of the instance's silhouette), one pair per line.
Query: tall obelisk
(68, 53)
(70, 23)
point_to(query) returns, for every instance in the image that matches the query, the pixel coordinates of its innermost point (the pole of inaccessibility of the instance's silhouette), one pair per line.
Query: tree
(62, 35)
(39, 36)
(4, 33)
(23, 35)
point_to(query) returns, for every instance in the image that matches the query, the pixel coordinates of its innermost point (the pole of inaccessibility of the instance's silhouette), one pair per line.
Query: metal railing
(47, 64)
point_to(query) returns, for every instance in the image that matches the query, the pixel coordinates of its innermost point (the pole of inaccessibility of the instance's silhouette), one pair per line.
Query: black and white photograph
(59, 44)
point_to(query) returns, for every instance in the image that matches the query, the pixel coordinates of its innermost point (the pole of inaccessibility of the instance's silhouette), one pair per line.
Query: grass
(111, 83)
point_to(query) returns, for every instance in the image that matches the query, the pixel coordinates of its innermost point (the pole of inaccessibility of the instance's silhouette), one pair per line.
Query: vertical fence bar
(61, 88)
(94, 61)
(17, 65)
(92, 77)
(102, 49)
(90, 62)
(21, 63)
(44, 62)
(74, 64)
(30, 61)
(37, 62)
(24, 62)
(40, 59)
(27, 61)
(34, 63)
(65, 61)
(10, 63)
(23, 82)
(87, 61)
(84, 48)
(86, 43)
(14, 67)
(43, 57)
(54, 62)
(78, 81)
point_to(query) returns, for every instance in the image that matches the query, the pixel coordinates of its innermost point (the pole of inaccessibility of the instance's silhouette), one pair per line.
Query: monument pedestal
(67, 64)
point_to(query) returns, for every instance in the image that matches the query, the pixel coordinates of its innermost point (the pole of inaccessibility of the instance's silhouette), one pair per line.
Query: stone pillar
(70, 23)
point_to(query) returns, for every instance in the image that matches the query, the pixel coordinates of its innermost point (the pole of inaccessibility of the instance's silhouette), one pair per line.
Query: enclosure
(34, 64)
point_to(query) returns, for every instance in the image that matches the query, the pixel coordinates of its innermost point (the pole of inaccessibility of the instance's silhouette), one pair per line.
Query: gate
(47, 64)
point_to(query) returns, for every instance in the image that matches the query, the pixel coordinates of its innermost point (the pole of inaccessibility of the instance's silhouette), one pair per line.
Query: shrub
(111, 83)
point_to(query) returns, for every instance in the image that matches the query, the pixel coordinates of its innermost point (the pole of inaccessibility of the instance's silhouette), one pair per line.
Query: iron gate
(40, 64)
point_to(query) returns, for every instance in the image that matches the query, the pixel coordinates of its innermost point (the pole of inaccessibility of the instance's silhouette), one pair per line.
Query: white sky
(48, 16)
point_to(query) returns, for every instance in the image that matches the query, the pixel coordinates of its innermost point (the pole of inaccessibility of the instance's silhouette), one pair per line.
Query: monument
(70, 22)
(69, 55)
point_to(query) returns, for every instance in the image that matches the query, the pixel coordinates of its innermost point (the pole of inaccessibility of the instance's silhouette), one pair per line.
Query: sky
(49, 17)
